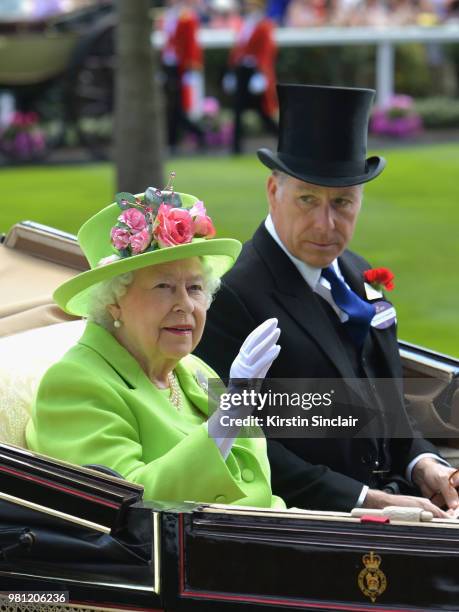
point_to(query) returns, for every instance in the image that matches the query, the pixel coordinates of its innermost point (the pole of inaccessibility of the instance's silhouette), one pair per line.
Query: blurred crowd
(249, 81)
(291, 13)
(316, 13)
(249, 75)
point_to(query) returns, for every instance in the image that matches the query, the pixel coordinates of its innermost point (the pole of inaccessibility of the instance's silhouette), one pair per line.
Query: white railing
(384, 38)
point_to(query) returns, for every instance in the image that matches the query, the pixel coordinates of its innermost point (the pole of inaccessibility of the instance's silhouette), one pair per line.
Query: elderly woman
(129, 395)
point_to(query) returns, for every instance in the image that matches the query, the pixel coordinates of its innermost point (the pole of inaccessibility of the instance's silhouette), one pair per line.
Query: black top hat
(323, 136)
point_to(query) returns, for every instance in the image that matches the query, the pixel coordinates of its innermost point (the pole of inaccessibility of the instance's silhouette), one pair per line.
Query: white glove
(257, 352)
(258, 84)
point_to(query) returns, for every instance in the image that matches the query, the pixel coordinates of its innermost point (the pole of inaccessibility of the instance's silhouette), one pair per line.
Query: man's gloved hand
(257, 352)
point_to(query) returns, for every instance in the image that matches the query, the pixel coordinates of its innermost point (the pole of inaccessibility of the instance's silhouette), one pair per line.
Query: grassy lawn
(408, 223)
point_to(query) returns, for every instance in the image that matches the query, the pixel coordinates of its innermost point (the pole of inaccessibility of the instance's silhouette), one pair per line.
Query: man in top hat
(297, 268)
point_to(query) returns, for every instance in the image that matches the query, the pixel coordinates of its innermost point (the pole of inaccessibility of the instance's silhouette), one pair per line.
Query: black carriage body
(193, 557)
(96, 570)
(314, 564)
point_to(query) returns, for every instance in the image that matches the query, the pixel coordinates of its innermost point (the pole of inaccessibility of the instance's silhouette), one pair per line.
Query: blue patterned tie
(360, 312)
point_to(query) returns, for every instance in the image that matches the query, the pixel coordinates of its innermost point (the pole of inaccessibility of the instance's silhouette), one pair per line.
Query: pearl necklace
(175, 397)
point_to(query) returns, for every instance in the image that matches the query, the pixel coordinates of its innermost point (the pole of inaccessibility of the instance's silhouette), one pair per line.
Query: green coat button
(220, 499)
(247, 475)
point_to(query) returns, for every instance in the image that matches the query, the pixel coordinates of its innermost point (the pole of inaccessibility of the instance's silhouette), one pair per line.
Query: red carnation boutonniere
(380, 278)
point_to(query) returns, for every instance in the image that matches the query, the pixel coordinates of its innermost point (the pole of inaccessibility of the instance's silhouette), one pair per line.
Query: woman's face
(163, 311)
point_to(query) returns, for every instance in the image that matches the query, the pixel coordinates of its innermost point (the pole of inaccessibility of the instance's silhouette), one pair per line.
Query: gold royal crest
(371, 580)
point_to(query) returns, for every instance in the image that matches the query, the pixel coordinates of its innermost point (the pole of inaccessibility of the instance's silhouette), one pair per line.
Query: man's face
(314, 223)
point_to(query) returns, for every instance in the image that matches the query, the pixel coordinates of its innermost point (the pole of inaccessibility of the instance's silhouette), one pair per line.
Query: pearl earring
(117, 323)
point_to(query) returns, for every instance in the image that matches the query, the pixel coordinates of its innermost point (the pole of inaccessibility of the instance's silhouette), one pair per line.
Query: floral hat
(139, 231)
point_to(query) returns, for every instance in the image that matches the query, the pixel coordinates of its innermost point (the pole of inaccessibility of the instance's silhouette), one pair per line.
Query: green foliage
(350, 65)
(215, 62)
(125, 200)
(413, 75)
(439, 112)
(408, 222)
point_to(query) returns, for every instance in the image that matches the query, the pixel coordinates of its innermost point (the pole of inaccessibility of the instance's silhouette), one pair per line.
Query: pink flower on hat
(202, 224)
(133, 218)
(120, 238)
(204, 227)
(157, 220)
(140, 241)
(173, 226)
(198, 209)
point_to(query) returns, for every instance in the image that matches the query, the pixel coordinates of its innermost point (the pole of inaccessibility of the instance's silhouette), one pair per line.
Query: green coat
(96, 405)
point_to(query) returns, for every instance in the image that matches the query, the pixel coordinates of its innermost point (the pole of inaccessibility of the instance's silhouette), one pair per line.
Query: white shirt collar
(310, 274)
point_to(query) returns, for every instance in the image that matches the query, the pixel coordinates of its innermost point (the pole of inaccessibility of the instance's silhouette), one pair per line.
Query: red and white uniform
(182, 49)
(255, 46)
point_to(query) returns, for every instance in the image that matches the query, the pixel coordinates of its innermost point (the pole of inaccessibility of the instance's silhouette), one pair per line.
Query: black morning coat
(325, 474)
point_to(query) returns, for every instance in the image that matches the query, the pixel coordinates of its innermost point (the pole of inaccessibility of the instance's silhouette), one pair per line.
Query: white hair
(108, 292)
(212, 282)
(105, 293)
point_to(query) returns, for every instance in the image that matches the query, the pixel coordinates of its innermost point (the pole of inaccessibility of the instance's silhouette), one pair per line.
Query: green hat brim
(219, 253)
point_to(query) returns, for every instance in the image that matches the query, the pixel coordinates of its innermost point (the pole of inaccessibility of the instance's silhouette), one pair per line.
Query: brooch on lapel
(201, 379)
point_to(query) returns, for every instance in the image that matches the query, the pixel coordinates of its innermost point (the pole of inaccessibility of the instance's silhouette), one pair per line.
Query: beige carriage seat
(34, 260)
(24, 358)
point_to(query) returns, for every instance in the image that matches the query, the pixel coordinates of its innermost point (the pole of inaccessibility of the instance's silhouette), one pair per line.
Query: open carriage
(61, 540)
(58, 61)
